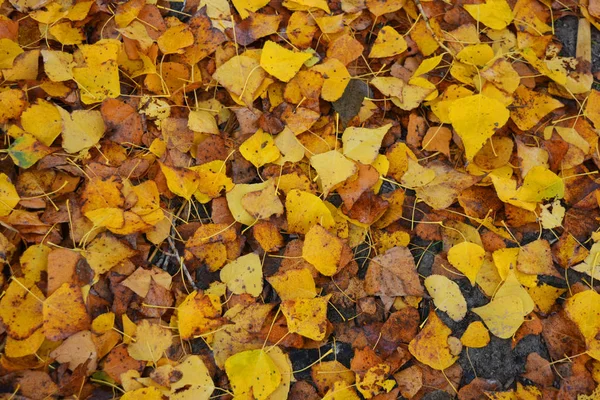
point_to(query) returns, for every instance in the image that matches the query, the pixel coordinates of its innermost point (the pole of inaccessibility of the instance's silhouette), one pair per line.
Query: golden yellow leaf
(294, 284)
(151, 341)
(475, 119)
(144, 393)
(502, 316)
(303, 210)
(264, 203)
(82, 129)
(241, 76)
(198, 314)
(307, 317)
(495, 14)
(243, 6)
(323, 250)
(244, 275)
(583, 308)
(9, 50)
(65, 313)
(20, 348)
(21, 308)
(446, 296)
(529, 107)
(467, 258)
(194, 383)
(388, 43)
(252, 373)
(332, 169)
(430, 346)
(175, 39)
(539, 184)
(362, 144)
(43, 121)
(417, 175)
(105, 252)
(66, 34)
(181, 181)
(103, 322)
(203, 121)
(280, 62)
(260, 149)
(336, 78)
(234, 201)
(476, 335)
(8, 195)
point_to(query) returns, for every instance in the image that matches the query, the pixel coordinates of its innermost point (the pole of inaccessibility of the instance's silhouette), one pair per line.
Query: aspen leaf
(583, 309)
(307, 317)
(253, 373)
(8, 194)
(12, 104)
(467, 258)
(475, 119)
(198, 314)
(446, 296)
(260, 149)
(323, 250)
(502, 317)
(76, 350)
(544, 296)
(194, 380)
(43, 121)
(98, 82)
(280, 62)
(539, 184)
(105, 252)
(417, 175)
(21, 348)
(145, 393)
(332, 168)
(9, 50)
(151, 341)
(290, 148)
(203, 121)
(341, 391)
(175, 39)
(25, 151)
(241, 76)
(388, 43)
(362, 144)
(21, 308)
(103, 322)
(264, 203)
(65, 313)
(529, 107)
(243, 7)
(476, 335)
(294, 284)
(303, 210)
(392, 274)
(244, 275)
(82, 129)
(336, 78)
(234, 201)
(430, 346)
(495, 14)
(181, 181)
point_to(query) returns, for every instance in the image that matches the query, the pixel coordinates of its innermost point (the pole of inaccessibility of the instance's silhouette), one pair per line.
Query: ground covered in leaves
(304, 199)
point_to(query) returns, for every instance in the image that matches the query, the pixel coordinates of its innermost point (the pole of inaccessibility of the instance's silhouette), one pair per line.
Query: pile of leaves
(303, 199)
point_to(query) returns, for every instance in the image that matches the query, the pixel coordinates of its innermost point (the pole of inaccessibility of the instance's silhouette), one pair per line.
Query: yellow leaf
(43, 121)
(307, 317)
(280, 62)
(552, 219)
(151, 341)
(175, 39)
(9, 50)
(234, 201)
(21, 308)
(243, 6)
(260, 149)
(103, 322)
(244, 275)
(430, 346)
(65, 313)
(475, 119)
(241, 76)
(441, 105)
(25, 151)
(495, 14)
(539, 184)
(212, 179)
(194, 383)
(544, 296)
(592, 108)
(198, 314)
(476, 335)
(512, 288)
(105, 252)
(294, 284)
(583, 309)
(467, 258)
(252, 373)
(417, 175)
(305, 5)
(427, 65)
(303, 210)
(182, 182)
(477, 55)
(98, 82)
(558, 76)
(502, 75)
(66, 34)
(264, 203)
(362, 144)
(203, 121)
(34, 261)
(388, 43)
(341, 391)
(323, 250)
(502, 316)
(446, 296)
(289, 146)
(336, 78)
(82, 129)
(12, 104)
(144, 393)
(332, 169)
(8, 195)
(529, 107)
(506, 261)
(26, 347)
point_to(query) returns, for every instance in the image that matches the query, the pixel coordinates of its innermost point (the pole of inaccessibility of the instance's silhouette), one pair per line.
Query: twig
(181, 263)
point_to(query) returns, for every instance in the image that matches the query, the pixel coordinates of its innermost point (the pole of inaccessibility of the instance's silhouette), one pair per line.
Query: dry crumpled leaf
(393, 274)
